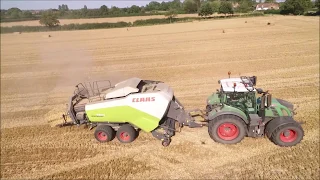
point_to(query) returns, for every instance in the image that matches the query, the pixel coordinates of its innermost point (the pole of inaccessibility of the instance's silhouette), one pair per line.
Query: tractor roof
(124, 88)
(228, 85)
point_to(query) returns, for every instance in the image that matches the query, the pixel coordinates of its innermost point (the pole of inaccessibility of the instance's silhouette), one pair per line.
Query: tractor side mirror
(253, 79)
(269, 97)
(259, 90)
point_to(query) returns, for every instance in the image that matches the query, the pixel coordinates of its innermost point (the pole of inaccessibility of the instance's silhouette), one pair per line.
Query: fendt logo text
(144, 99)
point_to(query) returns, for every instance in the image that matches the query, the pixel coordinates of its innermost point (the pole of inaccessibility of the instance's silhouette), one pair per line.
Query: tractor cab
(240, 93)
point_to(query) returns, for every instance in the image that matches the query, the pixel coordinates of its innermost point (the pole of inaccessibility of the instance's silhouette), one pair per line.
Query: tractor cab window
(244, 101)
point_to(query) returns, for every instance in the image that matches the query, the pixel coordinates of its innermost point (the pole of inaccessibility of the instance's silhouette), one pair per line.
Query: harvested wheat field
(38, 75)
(94, 20)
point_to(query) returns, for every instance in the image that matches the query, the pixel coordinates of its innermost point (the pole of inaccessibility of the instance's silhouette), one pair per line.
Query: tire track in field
(69, 166)
(160, 51)
(155, 46)
(208, 157)
(218, 155)
(134, 61)
(13, 76)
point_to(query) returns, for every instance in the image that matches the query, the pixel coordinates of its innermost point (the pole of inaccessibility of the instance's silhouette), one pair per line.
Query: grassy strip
(66, 27)
(107, 25)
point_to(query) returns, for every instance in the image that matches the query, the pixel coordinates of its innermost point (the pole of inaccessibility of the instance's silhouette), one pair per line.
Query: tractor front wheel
(227, 129)
(126, 134)
(104, 133)
(287, 135)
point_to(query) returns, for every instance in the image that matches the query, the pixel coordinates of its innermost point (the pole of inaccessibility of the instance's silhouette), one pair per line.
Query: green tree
(225, 8)
(14, 13)
(296, 7)
(190, 6)
(153, 5)
(103, 10)
(143, 10)
(172, 13)
(84, 11)
(198, 3)
(175, 4)
(205, 9)
(27, 14)
(49, 19)
(164, 6)
(317, 4)
(269, 1)
(215, 6)
(63, 7)
(115, 10)
(12, 10)
(244, 6)
(134, 9)
(3, 13)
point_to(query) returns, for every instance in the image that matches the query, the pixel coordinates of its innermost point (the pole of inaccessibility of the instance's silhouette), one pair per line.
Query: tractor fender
(228, 113)
(277, 122)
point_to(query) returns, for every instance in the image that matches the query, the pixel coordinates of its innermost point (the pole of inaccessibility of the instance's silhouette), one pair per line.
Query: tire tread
(273, 138)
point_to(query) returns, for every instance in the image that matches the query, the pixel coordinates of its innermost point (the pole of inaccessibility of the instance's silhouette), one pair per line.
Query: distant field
(94, 20)
(38, 75)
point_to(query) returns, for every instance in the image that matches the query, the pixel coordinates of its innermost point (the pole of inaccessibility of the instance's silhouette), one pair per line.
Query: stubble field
(38, 75)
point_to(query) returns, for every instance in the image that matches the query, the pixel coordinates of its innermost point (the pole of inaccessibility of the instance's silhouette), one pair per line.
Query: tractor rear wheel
(287, 135)
(227, 129)
(126, 134)
(104, 133)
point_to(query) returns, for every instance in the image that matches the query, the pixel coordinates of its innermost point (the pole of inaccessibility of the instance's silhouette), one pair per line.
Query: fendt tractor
(231, 113)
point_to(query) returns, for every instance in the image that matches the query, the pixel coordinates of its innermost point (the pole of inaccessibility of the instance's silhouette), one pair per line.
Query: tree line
(154, 7)
(204, 8)
(106, 25)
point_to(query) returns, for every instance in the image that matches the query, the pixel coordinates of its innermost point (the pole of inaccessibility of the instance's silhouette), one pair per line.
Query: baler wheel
(166, 143)
(287, 135)
(104, 133)
(126, 134)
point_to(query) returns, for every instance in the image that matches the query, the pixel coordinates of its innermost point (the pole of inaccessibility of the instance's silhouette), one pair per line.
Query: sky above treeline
(73, 4)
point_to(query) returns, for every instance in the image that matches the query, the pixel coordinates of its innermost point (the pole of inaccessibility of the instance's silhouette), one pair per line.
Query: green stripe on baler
(120, 114)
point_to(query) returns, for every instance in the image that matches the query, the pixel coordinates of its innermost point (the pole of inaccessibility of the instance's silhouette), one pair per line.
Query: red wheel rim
(288, 135)
(124, 136)
(102, 136)
(228, 131)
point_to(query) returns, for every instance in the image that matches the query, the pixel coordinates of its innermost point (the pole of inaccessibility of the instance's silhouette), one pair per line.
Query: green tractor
(238, 110)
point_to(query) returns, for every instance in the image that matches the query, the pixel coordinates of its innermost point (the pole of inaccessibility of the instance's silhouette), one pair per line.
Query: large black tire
(126, 134)
(227, 129)
(287, 135)
(104, 133)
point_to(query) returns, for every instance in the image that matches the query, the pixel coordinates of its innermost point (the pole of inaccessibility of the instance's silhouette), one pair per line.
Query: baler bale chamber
(124, 109)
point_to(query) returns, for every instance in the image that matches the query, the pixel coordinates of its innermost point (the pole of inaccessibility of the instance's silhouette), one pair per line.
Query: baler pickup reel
(65, 119)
